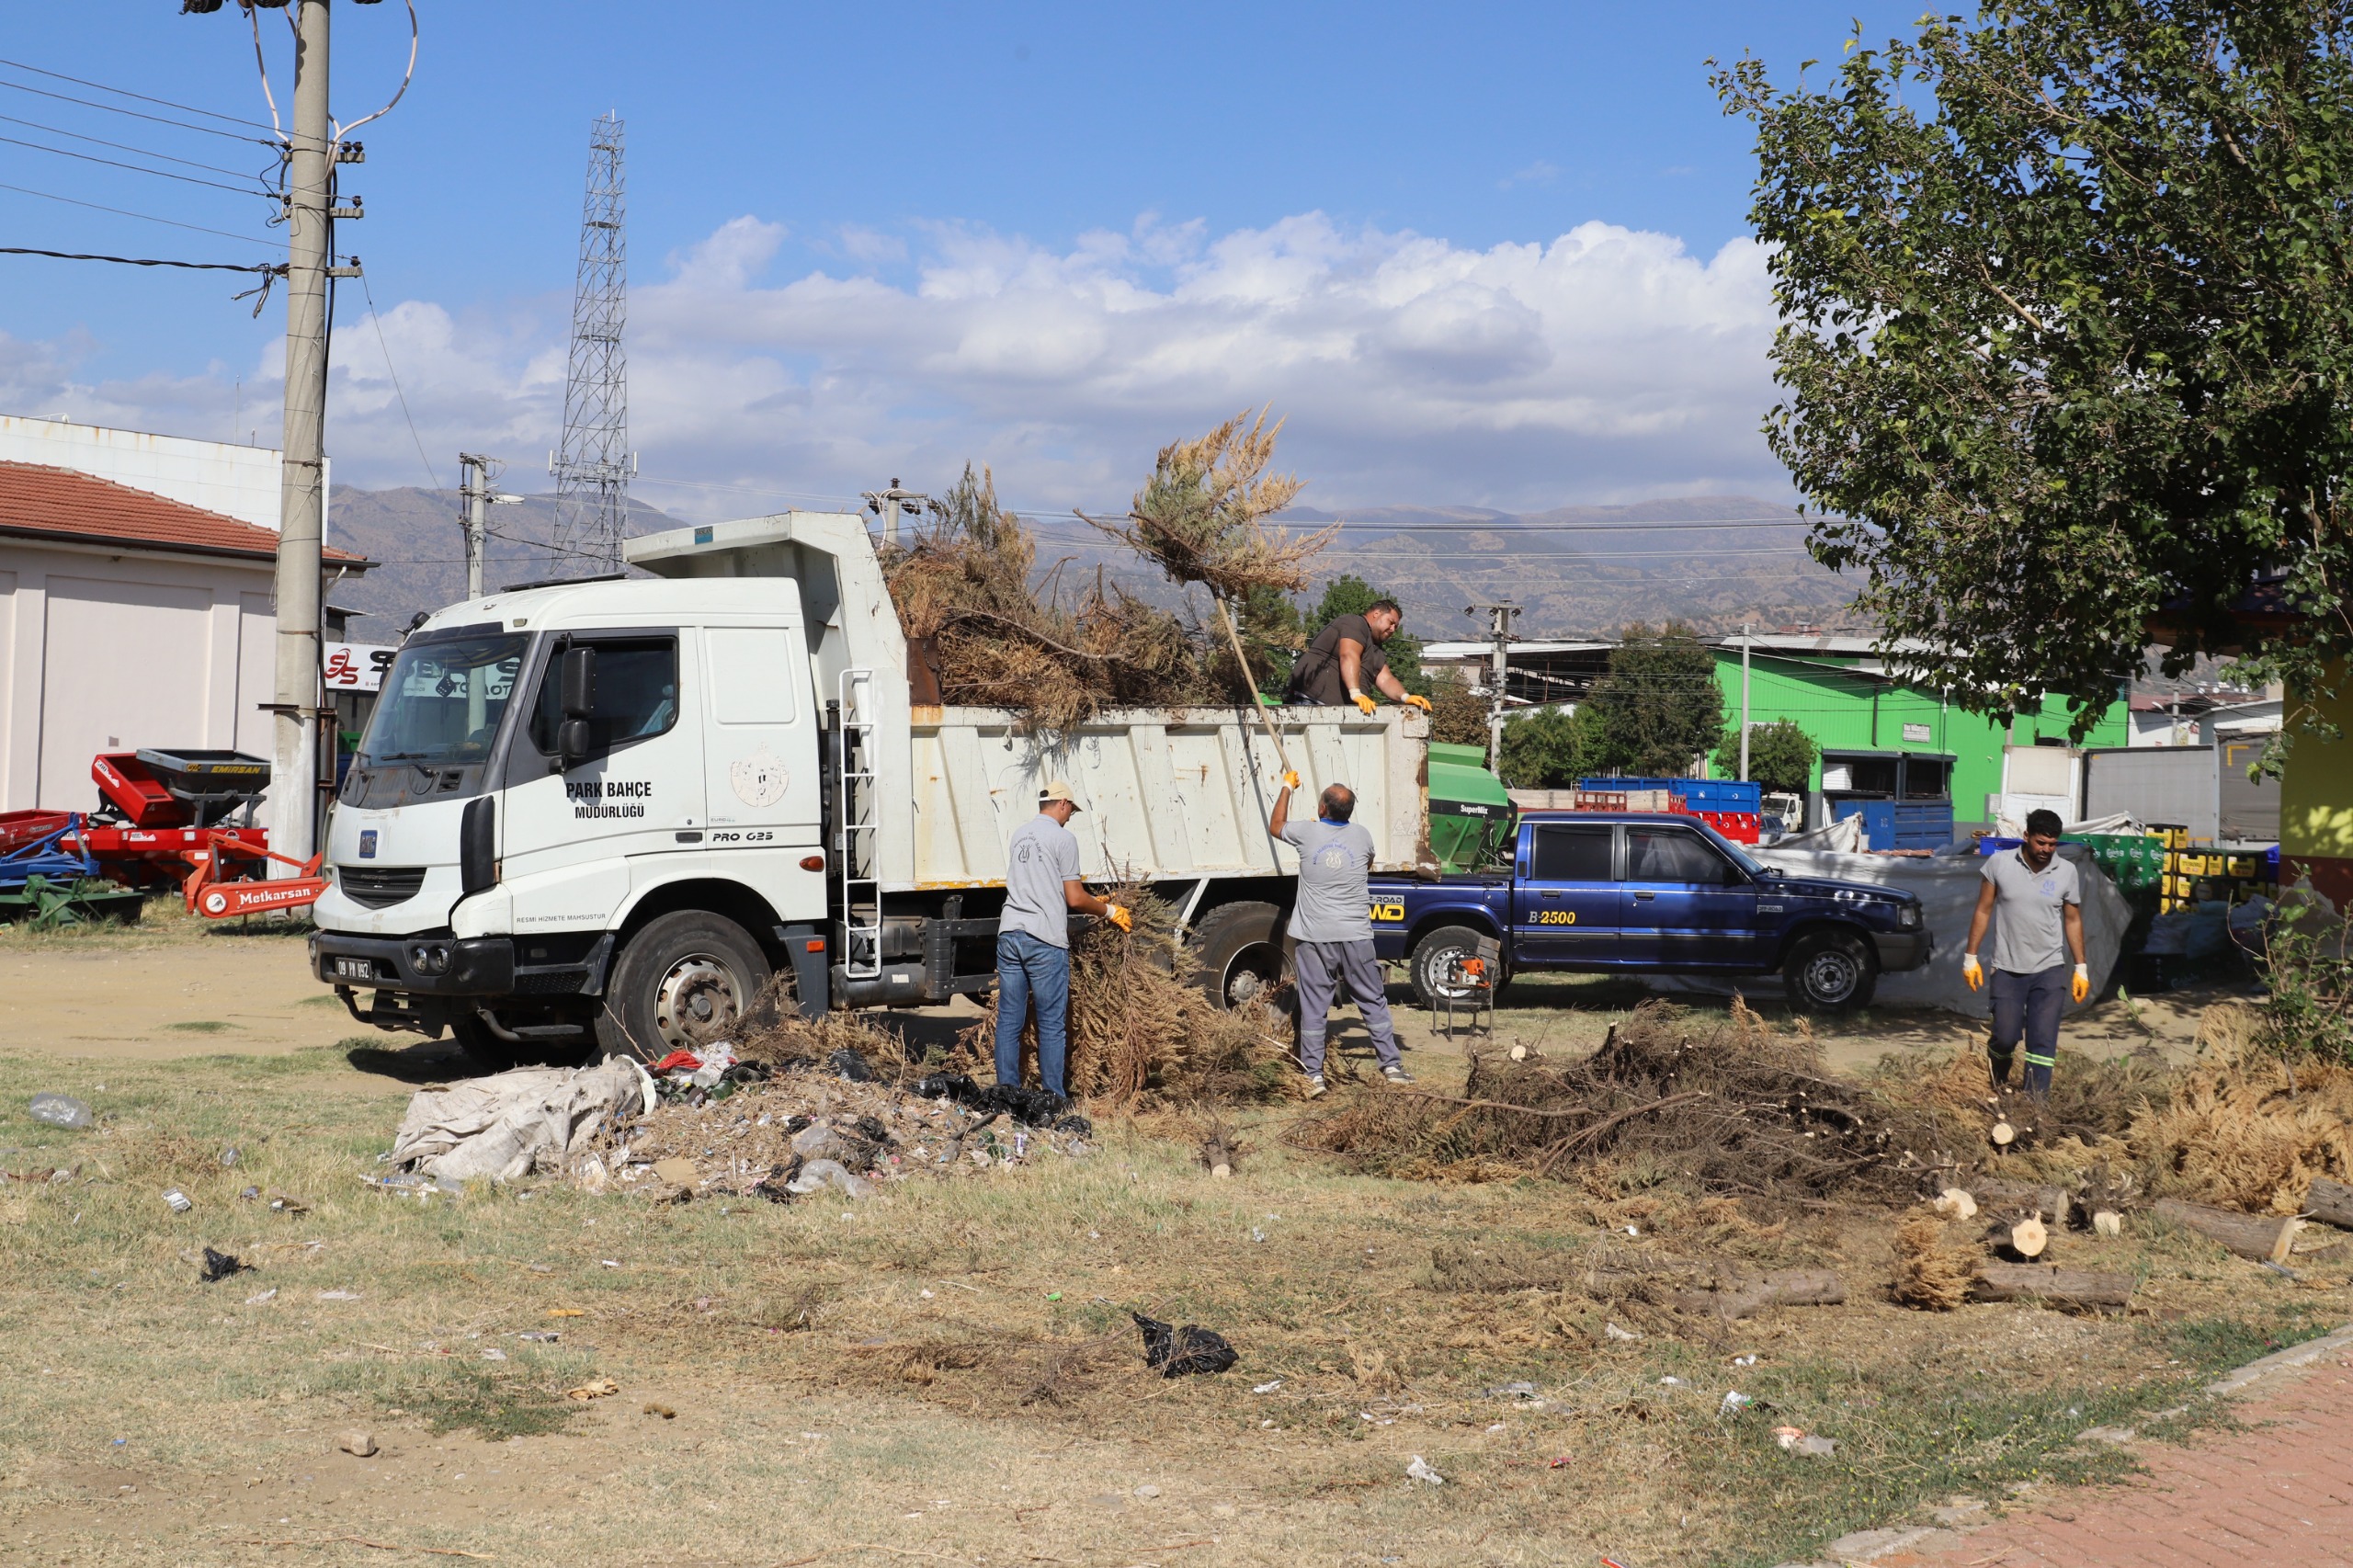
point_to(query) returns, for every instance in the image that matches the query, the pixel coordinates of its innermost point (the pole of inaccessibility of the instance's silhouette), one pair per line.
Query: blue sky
(1482, 255)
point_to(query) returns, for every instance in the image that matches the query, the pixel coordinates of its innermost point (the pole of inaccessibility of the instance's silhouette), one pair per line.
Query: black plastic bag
(218, 1265)
(1181, 1352)
(851, 1065)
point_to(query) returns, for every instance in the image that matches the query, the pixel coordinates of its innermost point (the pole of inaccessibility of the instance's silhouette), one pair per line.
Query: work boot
(1998, 1063)
(1397, 1074)
(1314, 1086)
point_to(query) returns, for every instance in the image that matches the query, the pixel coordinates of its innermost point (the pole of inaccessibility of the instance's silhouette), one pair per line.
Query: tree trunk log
(1993, 1195)
(1745, 1298)
(2049, 1282)
(2266, 1238)
(2332, 1201)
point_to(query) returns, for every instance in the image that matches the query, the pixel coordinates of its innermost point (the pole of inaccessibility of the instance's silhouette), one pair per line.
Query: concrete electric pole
(1499, 619)
(887, 505)
(479, 498)
(1745, 641)
(301, 510)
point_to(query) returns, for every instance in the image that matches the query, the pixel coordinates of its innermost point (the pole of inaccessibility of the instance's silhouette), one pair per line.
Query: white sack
(508, 1125)
(1947, 887)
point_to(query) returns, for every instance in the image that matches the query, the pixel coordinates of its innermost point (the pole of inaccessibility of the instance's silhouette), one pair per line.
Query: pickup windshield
(443, 699)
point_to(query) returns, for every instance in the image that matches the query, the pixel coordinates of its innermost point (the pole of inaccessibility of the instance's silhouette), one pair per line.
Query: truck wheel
(1240, 949)
(1433, 956)
(1830, 971)
(688, 980)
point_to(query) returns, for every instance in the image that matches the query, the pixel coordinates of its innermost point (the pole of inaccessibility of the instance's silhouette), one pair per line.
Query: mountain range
(1713, 561)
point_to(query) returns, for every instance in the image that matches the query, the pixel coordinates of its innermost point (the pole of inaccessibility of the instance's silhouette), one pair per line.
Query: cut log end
(1954, 1203)
(2030, 1236)
(2002, 1135)
(2266, 1238)
(2108, 1223)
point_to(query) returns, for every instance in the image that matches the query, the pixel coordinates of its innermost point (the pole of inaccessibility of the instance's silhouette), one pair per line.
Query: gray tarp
(511, 1124)
(1947, 888)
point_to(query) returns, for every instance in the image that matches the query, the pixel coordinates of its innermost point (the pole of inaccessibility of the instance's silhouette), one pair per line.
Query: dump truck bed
(1166, 793)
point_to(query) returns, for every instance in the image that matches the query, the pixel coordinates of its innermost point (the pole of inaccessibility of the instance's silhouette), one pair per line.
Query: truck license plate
(354, 968)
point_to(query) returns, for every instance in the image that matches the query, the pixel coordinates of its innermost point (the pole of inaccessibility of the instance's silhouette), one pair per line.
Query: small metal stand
(1469, 982)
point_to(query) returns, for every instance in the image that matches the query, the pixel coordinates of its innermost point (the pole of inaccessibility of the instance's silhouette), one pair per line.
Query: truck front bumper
(430, 966)
(1903, 949)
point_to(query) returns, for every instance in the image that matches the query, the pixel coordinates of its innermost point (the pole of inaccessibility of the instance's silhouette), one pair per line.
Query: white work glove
(1364, 704)
(1970, 973)
(2081, 986)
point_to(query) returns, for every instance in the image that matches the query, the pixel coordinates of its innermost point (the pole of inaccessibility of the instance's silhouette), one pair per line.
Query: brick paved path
(2278, 1495)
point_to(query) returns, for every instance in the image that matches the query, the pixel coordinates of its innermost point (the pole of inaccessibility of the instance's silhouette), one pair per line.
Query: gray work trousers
(1327, 968)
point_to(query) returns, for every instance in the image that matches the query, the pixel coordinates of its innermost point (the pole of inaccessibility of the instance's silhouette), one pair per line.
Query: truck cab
(1650, 893)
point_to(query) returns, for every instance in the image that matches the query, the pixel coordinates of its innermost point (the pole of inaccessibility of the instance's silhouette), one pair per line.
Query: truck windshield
(443, 699)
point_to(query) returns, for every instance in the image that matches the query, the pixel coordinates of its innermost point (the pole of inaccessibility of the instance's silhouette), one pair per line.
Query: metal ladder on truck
(858, 843)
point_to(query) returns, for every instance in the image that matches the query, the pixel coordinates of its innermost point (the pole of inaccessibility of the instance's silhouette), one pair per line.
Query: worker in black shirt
(1346, 658)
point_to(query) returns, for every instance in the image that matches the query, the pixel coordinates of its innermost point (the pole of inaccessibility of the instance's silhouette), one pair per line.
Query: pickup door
(1686, 904)
(1565, 900)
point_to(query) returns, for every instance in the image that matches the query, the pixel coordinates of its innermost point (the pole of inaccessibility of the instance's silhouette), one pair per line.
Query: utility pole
(886, 505)
(479, 497)
(1499, 619)
(1745, 641)
(301, 508)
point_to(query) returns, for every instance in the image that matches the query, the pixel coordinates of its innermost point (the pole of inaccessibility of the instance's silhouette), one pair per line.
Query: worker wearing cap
(1346, 658)
(1042, 887)
(2034, 899)
(1331, 928)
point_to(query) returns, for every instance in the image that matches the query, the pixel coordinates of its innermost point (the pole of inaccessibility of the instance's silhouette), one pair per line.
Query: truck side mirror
(579, 683)
(571, 742)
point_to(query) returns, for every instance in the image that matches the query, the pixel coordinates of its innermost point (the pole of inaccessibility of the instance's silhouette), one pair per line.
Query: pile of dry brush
(1728, 1103)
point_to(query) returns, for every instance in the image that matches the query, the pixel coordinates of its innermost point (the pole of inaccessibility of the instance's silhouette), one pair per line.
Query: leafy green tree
(1658, 707)
(1543, 749)
(1273, 630)
(2066, 342)
(1780, 755)
(1351, 595)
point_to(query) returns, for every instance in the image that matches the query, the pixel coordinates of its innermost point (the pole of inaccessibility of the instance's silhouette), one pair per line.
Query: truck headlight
(1908, 917)
(429, 958)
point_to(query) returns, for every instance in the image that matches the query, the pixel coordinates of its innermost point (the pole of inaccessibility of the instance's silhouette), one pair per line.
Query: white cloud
(1605, 364)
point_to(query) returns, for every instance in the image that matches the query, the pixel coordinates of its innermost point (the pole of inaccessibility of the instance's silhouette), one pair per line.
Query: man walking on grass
(1330, 927)
(1042, 887)
(2034, 899)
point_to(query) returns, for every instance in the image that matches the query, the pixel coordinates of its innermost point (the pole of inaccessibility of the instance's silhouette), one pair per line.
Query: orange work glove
(1291, 778)
(1119, 918)
(1421, 702)
(1970, 973)
(2081, 986)
(1364, 704)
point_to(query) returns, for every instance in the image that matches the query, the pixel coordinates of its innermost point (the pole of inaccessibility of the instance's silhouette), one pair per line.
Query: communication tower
(593, 468)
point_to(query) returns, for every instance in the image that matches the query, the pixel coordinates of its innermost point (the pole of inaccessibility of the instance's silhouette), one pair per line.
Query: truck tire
(1240, 949)
(1830, 971)
(1434, 954)
(687, 980)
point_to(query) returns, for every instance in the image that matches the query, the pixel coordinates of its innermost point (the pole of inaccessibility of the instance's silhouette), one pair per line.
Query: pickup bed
(1656, 893)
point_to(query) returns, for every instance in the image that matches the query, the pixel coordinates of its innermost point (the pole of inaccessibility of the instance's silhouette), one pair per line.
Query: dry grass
(2246, 1128)
(1934, 1266)
(1143, 1034)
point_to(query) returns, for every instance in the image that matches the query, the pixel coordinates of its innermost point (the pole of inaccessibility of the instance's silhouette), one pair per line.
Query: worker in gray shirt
(1042, 887)
(2034, 899)
(1330, 927)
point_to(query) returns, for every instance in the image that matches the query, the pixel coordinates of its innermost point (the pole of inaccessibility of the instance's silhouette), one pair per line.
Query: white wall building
(236, 481)
(128, 618)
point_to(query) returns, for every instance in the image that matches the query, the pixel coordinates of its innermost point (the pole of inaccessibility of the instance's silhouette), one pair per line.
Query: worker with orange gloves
(1346, 658)
(2038, 898)
(1042, 887)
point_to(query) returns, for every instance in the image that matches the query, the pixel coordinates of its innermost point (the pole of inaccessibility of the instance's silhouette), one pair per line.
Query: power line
(127, 93)
(126, 212)
(377, 317)
(126, 147)
(257, 189)
(146, 261)
(118, 109)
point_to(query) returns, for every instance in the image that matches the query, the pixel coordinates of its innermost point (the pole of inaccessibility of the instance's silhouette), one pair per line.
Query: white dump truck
(605, 813)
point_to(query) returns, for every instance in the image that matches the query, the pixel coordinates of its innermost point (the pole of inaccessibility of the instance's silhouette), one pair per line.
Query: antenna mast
(592, 471)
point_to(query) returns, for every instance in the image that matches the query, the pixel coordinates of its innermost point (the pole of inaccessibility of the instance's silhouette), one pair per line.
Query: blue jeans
(1030, 969)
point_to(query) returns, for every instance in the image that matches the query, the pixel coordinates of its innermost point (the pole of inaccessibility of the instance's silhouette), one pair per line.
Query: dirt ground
(946, 1372)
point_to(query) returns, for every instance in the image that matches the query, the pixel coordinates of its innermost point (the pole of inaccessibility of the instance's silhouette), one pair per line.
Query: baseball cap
(1059, 789)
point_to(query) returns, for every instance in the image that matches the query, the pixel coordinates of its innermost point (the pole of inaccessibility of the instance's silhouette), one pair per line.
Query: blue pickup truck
(1644, 894)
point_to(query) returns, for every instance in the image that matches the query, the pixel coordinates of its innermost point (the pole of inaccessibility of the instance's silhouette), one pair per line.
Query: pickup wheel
(1240, 949)
(1830, 971)
(1434, 957)
(688, 980)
